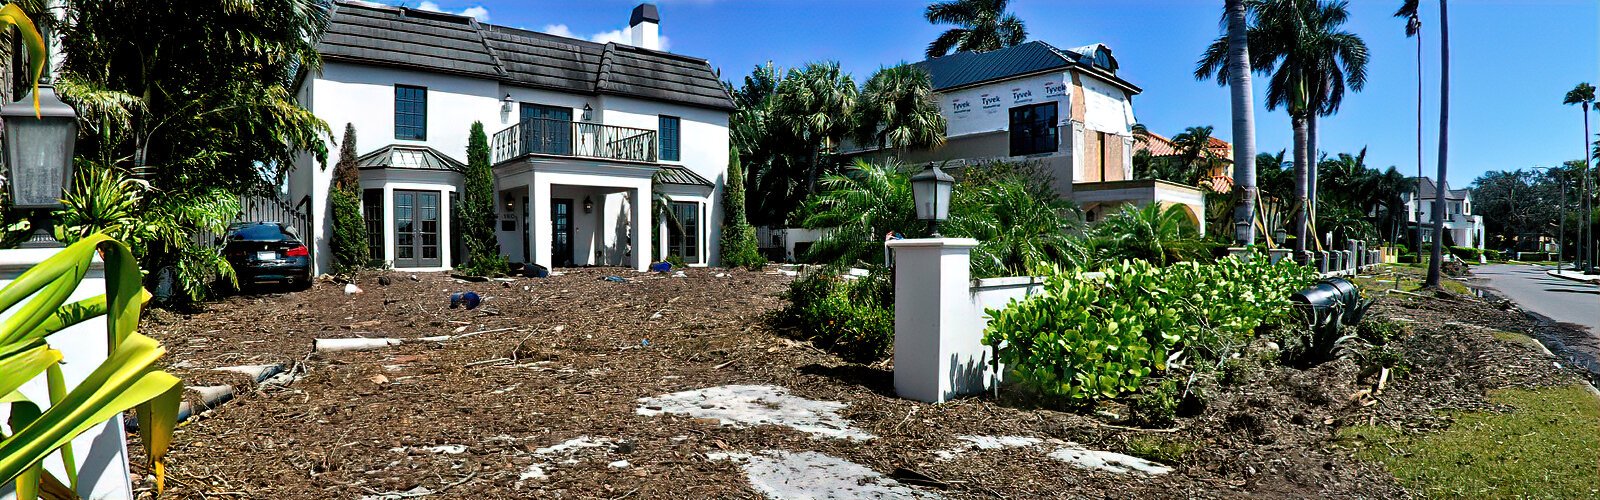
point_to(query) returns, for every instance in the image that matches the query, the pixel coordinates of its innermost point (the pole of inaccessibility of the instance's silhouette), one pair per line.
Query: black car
(262, 252)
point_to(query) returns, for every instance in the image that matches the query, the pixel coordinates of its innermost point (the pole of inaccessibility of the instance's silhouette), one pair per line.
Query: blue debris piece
(661, 267)
(615, 279)
(644, 342)
(468, 299)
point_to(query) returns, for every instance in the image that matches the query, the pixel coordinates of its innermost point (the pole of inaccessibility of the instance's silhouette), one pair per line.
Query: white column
(101, 452)
(938, 334)
(446, 238)
(640, 202)
(539, 234)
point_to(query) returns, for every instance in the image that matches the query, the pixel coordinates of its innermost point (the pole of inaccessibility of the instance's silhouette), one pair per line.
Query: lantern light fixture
(39, 147)
(930, 189)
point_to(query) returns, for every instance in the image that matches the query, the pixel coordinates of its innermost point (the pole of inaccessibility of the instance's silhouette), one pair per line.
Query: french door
(546, 129)
(561, 232)
(416, 229)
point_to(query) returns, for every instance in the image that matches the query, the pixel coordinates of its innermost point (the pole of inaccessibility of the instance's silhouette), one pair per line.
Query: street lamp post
(930, 189)
(39, 146)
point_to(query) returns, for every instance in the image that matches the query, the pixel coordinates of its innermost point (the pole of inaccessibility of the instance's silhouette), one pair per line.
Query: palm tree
(1244, 119)
(1583, 96)
(1234, 48)
(858, 206)
(1408, 11)
(1147, 233)
(1311, 62)
(897, 109)
(1021, 229)
(1444, 144)
(984, 26)
(815, 104)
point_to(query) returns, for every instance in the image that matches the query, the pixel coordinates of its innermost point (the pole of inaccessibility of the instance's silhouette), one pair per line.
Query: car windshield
(260, 232)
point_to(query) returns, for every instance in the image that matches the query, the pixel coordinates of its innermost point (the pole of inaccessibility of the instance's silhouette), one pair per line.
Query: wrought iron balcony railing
(543, 136)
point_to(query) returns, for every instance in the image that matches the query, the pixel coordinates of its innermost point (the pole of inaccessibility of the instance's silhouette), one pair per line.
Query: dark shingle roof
(411, 157)
(398, 36)
(962, 69)
(1429, 190)
(673, 174)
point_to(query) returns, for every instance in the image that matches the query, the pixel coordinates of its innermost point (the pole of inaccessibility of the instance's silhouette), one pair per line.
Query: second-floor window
(1033, 129)
(668, 131)
(410, 113)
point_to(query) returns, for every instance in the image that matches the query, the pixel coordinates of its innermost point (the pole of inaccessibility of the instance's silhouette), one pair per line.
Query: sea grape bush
(1086, 338)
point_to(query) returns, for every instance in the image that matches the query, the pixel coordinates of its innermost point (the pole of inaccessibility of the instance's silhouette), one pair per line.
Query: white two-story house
(1463, 228)
(582, 136)
(1064, 109)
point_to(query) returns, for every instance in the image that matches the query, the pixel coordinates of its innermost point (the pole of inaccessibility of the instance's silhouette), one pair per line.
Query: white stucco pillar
(639, 201)
(101, 452)
(938, 335)
(539, 235)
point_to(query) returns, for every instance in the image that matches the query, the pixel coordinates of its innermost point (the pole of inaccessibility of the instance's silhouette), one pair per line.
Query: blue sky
(1514, 60)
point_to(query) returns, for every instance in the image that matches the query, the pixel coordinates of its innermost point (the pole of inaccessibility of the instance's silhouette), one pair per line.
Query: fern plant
(127, 379)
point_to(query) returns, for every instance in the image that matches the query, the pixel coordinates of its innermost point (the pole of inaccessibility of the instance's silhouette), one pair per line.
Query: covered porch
(566, 212)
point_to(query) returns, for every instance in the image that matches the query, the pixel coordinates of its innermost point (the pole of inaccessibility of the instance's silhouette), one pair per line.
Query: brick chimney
(645, 27)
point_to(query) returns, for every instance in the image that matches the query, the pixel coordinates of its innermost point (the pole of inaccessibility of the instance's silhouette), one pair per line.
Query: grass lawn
(1548, 447)
(1410, 277)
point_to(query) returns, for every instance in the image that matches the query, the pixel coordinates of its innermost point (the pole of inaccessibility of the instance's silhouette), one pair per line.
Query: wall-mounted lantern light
(588, 205)
(509, 203)
(505, 104)
(39, 156)
(930, 188)
(588, 112)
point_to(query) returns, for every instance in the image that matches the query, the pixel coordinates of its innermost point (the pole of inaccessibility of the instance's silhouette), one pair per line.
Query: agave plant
(126, 380)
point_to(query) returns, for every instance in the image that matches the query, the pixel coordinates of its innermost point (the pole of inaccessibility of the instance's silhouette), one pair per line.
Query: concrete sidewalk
(1575, 276)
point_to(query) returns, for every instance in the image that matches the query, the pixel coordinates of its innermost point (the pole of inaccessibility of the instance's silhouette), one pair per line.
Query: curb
(1553, 273)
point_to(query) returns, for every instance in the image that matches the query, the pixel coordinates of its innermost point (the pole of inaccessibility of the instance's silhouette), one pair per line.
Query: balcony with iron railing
(543, 136)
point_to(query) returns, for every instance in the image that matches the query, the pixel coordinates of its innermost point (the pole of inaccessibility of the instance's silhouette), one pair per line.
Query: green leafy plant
(156, 225)
(1022, 227)
(478, 211)
(127, 379)
(853, 317)
(1090, 337)
(1144, 233)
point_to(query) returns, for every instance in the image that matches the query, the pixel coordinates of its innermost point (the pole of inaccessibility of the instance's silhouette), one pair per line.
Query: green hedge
(1466, 253)
(853, 317)
(1089, 338)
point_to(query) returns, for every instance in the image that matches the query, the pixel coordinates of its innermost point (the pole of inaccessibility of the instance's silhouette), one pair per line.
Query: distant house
(1461, 227)
(578, 131)
(1066, 110)
(1218, 178)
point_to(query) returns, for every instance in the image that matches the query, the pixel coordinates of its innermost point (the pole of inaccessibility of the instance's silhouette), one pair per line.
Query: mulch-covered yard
(547, 402)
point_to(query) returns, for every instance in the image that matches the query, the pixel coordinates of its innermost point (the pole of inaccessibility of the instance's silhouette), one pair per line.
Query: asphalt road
(1533, 290)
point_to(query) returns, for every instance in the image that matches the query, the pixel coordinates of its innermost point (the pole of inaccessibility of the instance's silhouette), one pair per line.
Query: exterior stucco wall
(363, 95)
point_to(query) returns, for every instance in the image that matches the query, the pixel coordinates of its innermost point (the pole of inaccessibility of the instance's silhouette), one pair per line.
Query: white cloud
(559, 30)
(477, 11)
(619, 35)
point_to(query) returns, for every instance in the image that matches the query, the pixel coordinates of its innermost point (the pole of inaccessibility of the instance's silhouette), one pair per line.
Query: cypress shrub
(476, 210)
(349, 242)
(739, 247)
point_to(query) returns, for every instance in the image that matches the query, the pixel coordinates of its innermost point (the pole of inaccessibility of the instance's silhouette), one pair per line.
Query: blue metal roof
(970, 68)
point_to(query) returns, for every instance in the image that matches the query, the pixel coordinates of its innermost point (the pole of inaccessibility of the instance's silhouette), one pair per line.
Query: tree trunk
(1300, 180)
(1444, 145)
(1244, 122)
(1418, 199)
(1311, 162)
(1586, 231)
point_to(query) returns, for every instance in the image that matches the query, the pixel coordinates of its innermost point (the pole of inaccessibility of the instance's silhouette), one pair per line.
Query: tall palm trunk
(1586, 233)
(1311, 166)
(1300, 181)
(1244, 121)
(1418, 199)
(1444, 145)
